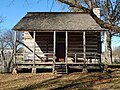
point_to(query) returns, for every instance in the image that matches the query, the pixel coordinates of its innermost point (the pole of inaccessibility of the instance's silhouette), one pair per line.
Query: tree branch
(74, 5)
(90, 11)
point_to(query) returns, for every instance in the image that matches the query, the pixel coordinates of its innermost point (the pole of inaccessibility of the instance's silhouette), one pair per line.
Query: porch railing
(29, 57)
(90, 57)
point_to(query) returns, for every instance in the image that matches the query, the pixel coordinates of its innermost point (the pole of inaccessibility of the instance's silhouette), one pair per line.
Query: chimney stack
(97, 12)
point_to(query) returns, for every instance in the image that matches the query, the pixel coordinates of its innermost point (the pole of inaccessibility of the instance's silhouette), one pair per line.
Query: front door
(60, 46)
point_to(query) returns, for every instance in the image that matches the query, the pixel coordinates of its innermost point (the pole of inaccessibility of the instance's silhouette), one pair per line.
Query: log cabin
(59, 41)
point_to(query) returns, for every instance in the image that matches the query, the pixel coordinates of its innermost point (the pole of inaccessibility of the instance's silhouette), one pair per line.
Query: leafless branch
(26, 1)
(12, 2)
(98, 20)
(52, 5)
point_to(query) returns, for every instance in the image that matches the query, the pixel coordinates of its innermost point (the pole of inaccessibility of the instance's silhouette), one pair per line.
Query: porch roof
(57, 21)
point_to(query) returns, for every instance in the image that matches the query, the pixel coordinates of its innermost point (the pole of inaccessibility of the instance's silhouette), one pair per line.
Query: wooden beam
(54, 43)
(15, 39)
(66, 51)
(75, 57)
(34, 49)
(84, 54)
(54, 50)
(84, 47)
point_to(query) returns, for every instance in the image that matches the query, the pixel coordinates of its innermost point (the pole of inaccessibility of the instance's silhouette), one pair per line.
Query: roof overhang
(57, 21)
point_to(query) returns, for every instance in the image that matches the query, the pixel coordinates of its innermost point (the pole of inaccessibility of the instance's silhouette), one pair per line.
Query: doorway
(60, 46)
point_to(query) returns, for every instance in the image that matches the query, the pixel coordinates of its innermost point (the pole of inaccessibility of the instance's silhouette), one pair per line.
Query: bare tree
(110, 16)
(7, 42)
(88, 5)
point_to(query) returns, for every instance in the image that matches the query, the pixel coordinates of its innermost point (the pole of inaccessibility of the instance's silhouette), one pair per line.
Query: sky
(12, 12)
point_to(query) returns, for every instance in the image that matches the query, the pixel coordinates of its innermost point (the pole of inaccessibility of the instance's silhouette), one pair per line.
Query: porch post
(66, 56)
(66, 47)
(84, 52)
(54, 50)
(54, 38)
(14, 57)
(84, 47)
(34, 69)
(105, 47)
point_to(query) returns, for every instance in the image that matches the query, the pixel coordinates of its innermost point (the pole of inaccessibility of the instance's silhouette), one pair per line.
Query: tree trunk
(3, 61)
(109, 48)
(2, 55)
(10, 64)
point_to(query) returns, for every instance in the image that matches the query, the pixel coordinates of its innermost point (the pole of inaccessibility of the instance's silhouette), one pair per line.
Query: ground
(72, 81)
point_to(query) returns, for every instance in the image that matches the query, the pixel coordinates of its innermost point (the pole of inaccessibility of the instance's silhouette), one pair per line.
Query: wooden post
(54, 50)
(84, 47)
(34, 69)
(84, 52)
(14, 57)
(34, 49)
(75, 57)
(66, 51)
(54, 43)
(105, 47)
(66, 47)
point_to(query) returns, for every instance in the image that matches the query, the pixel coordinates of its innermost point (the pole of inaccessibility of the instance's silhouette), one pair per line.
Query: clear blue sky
(12, 12)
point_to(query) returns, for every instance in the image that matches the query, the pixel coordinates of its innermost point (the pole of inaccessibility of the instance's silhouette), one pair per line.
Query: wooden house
(59, 40)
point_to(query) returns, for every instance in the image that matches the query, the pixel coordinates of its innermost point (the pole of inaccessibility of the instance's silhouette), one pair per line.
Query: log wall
(75, 44)
(44, 43)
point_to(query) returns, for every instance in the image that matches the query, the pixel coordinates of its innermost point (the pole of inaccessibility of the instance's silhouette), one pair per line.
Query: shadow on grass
(82, 82)
(41, 84)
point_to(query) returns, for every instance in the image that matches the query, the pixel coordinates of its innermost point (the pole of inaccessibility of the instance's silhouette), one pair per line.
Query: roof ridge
(57, 12)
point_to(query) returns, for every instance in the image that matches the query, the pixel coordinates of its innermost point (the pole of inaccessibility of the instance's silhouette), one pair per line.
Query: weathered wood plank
(66, 46)
(54, 51)
(34, 49)
(84, 47)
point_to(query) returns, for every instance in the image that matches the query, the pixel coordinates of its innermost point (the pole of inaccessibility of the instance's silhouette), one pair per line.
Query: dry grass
(72, 81)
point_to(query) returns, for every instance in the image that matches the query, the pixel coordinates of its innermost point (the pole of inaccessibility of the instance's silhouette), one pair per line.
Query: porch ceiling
(57, 21)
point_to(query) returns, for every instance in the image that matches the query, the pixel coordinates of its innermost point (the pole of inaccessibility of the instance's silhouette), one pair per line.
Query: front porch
(72, 49)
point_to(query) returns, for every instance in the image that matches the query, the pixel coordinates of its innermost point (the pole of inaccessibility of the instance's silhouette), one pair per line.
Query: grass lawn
(72, 81)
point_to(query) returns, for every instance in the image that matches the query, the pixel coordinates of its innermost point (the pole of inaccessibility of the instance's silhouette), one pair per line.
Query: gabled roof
(57, 21)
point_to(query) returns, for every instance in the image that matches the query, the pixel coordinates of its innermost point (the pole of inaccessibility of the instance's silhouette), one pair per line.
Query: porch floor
(49, 65)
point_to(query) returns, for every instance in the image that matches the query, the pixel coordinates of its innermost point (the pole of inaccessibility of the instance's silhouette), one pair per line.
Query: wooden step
(61, 68)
